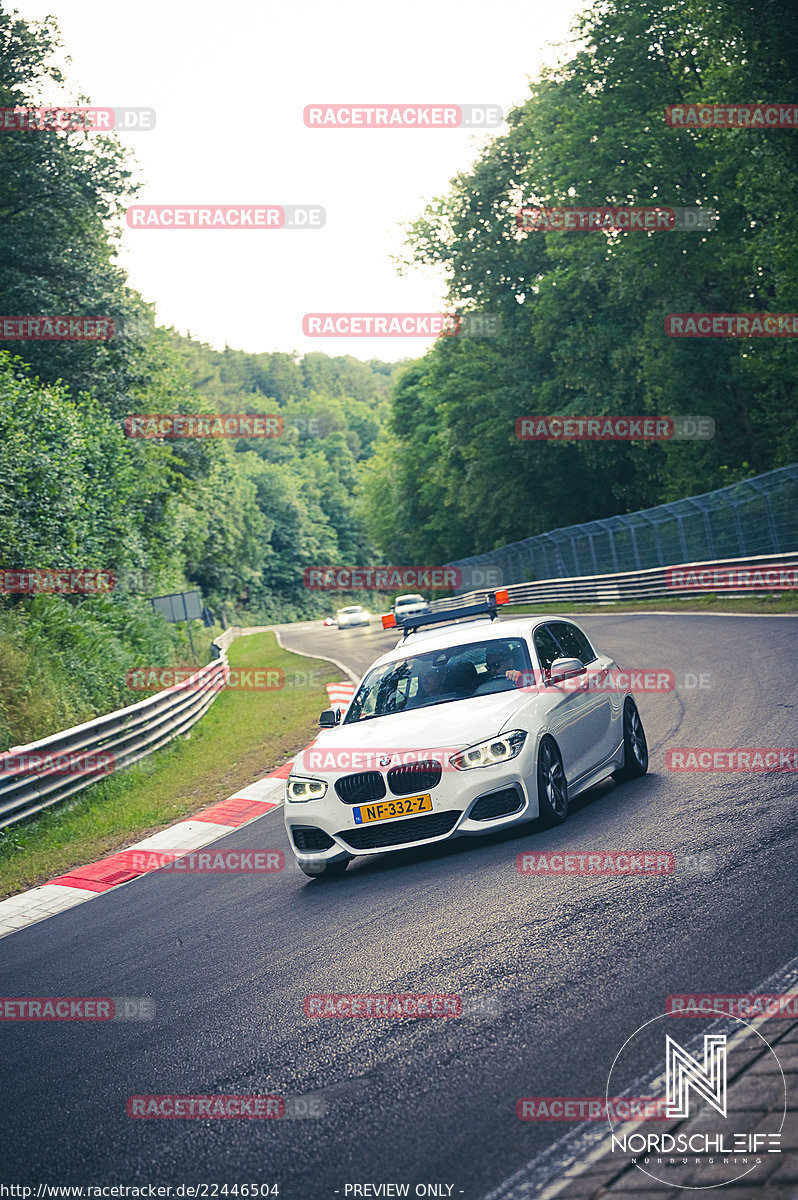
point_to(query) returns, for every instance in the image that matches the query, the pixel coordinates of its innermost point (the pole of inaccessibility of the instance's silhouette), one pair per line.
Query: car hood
(451, 726)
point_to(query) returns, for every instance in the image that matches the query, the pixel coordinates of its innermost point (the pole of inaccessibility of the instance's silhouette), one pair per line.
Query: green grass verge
(242, 737)
(787, 602)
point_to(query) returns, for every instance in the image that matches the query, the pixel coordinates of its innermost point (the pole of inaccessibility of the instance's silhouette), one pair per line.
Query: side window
(546, 647)
(573, 641)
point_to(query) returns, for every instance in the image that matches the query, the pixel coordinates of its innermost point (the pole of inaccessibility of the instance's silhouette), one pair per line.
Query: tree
(583, 313)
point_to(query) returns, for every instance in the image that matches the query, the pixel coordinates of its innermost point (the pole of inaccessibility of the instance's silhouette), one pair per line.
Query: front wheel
(552, 785)
(635, 746)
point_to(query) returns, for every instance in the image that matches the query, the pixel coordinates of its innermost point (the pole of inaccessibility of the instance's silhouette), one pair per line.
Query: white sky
(229, 82)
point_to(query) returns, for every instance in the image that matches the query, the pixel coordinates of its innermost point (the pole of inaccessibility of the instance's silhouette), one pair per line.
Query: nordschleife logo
(715, 1128)
(683, 1072)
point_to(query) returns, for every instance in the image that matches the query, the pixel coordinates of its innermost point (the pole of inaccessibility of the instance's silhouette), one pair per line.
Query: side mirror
(565, 668)
(330, 718)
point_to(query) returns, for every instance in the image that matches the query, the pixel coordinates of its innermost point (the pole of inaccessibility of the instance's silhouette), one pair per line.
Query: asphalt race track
(567, 968)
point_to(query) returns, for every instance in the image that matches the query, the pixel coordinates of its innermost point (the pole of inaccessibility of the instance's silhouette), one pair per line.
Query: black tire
(635, 746)
(552, 784)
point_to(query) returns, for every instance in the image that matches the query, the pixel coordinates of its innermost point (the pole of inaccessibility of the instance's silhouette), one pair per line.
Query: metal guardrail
(651, 584)
(41, 774)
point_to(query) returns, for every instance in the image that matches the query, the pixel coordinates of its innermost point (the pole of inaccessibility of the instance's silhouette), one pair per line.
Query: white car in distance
(346, 618)
(410, 606)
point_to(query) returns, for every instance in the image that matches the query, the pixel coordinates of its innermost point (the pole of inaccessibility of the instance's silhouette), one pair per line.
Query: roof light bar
(486, 607)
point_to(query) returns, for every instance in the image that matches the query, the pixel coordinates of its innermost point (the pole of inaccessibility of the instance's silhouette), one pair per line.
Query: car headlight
(299, 790)
(488, 754)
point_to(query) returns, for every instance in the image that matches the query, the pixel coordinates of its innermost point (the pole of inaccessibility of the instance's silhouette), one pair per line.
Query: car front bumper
(463, 803)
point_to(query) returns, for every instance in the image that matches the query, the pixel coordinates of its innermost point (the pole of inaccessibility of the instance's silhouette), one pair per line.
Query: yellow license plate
(385, 809)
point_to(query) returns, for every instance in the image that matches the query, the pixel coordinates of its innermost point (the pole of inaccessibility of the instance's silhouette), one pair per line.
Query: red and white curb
(87, 882)
(340, 694)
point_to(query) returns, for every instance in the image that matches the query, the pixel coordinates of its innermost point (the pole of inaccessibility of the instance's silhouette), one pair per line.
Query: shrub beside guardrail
(41, 774)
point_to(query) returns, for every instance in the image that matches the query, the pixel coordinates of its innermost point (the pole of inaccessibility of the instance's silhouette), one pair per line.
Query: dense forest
(379, 462)
(582, 313)
(238, 519)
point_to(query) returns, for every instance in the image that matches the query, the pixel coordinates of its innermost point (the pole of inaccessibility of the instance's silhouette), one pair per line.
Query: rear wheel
(635, 746)
(552, 785)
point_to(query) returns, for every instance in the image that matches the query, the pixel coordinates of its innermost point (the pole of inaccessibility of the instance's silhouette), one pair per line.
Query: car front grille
(414, 777)
(361, 788)
(497, 804)
(399, 833)
(308, 838)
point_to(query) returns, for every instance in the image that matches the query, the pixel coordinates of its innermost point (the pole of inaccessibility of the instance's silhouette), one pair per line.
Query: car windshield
(352, 610)
(441, 677)
(403, 601)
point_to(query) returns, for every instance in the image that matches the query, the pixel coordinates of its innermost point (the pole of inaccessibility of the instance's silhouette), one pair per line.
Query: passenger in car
(429, 685)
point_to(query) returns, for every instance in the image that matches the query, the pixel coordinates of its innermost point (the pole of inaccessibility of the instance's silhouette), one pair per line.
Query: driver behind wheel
(500, 663)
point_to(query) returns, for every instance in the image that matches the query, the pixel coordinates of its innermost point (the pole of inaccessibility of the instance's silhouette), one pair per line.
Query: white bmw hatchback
(461, 730)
